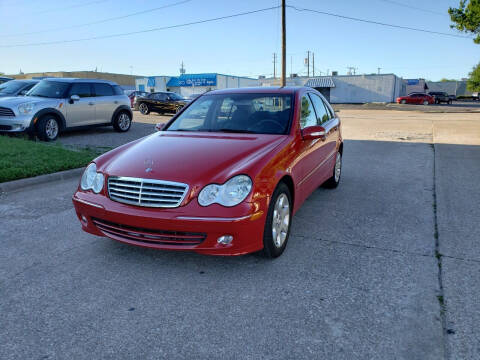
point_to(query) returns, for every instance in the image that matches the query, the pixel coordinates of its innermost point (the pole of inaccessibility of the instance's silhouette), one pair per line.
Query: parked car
(133, 96)
(16, 87)
(440, 96)
(220, 177)
(4, 79)
(416, 98)
(161, 102)
(54, 105)
(475, 96)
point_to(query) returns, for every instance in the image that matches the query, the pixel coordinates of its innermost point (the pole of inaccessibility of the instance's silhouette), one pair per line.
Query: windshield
(11, 87)
(49, 89)
(175, 97)
(237, 113)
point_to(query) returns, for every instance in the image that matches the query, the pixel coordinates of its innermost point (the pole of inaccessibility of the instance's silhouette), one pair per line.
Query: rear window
(102, 89)
(117, 90)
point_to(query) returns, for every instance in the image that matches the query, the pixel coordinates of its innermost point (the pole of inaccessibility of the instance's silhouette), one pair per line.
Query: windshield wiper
(241, 131)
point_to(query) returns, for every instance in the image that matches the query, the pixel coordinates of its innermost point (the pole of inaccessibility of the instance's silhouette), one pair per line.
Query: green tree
(467, 18)
(473, 83)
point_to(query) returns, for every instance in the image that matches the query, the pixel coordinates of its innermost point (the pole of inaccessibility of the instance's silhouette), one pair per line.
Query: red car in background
(133, 95)
(224, 176)
(416, 98)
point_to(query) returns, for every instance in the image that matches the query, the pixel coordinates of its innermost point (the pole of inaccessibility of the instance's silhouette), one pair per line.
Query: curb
(15, 185)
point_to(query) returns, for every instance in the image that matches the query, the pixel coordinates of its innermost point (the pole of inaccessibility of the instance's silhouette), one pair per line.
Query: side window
(103, 89)
(322, 114)
(160, 97)
(81, 89)
(307, 117)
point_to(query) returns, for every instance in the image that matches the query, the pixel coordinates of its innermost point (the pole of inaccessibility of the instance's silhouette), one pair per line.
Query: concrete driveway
(364, 275)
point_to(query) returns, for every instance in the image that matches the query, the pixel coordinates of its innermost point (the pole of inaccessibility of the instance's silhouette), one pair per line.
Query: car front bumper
(174, 229)
(17, 123)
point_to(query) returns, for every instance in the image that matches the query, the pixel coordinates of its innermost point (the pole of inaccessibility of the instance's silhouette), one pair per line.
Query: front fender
(46, 111)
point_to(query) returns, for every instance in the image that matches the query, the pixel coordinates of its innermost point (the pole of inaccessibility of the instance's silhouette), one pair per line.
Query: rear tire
(425, 102)
(122, 122)
(403, 102)
(278, 222)
(48, 128)
(333, 182)
(143, 108)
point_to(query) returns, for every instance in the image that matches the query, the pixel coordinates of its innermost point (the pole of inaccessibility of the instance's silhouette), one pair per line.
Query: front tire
(48, 128)
(144, 109)
(333, 182)
(403, 102)
(277, 224)
(425, 102)
(122, 122)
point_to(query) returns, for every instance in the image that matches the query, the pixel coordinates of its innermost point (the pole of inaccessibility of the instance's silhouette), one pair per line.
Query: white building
(351, 88)
(188, 84)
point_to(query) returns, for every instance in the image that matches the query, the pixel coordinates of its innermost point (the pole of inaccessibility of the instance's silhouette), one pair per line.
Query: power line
(100, 21)
(72, 6)
(377, 22)
(141, 31)
(413, 7)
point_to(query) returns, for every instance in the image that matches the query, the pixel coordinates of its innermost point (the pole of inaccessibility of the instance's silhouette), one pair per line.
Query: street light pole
(284, 46)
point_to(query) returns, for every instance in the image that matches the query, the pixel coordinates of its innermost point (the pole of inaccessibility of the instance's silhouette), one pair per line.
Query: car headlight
(91, 179)
(25, 108)
(232, 193)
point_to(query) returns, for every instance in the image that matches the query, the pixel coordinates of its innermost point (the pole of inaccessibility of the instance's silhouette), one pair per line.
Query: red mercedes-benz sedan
(224, 176)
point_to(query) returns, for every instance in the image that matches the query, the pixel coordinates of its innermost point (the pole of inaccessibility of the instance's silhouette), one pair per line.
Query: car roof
(27, 81)
(260, 90)
(75, 80)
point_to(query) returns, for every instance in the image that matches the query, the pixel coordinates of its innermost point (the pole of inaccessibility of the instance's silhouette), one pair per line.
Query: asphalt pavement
(364, 276)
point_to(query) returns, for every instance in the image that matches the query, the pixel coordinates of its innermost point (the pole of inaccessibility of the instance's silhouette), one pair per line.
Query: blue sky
(239, 46)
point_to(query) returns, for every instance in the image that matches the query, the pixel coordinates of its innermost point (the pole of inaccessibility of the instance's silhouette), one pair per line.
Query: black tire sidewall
(269, 248)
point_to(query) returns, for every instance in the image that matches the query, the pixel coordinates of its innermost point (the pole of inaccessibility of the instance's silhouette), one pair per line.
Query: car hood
(193, 158)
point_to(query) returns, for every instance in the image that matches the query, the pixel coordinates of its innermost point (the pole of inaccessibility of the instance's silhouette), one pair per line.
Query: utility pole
(313, 65)
(308, 64)
(379, 70)
(274, 65)
(284, 45)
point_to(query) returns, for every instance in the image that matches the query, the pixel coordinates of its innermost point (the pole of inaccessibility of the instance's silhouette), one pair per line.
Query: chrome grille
(6, 112)
(146, 192)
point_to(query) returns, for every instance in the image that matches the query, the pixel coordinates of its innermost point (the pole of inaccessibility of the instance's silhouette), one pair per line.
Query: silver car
(16, 87)
(55, 104)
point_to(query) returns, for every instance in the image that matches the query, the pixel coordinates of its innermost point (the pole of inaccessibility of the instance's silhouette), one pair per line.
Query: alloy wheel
(338, 167)
(281, 220)
(124, 121)
(143, 108)
(51, 128)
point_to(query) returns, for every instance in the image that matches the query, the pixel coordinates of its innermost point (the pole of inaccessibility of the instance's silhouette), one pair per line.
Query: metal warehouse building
(188, 84)
(351, 88)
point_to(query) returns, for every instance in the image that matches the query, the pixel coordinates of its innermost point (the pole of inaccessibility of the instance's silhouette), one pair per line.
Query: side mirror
(23, 92)
(159, 127)
(313, 132)
(74, 98)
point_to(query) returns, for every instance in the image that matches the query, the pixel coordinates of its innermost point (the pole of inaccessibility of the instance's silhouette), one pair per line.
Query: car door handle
(91, 103)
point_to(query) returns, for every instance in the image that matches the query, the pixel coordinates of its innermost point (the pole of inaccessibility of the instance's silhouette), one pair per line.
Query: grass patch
(21, 158)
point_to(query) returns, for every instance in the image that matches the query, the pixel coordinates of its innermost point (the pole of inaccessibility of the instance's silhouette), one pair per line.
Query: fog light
(225, 239)
(84, 220)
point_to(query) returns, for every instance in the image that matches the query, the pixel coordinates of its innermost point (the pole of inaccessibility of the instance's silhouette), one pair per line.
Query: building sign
(412, 81)
(193, 80)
